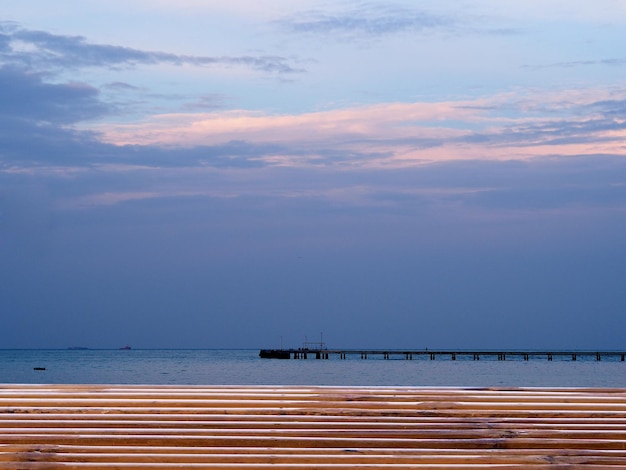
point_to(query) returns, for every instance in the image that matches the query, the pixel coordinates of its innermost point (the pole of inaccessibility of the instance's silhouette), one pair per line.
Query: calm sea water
(244, 367)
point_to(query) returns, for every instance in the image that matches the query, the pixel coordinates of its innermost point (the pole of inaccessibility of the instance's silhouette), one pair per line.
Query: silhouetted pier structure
(476, 355)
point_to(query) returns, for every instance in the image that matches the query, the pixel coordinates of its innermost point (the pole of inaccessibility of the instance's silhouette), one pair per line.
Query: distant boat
(126, 347)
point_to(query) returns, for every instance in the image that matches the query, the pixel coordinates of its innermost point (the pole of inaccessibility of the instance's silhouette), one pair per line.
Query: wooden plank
(300, 459)
(104, 423)
(132, 427)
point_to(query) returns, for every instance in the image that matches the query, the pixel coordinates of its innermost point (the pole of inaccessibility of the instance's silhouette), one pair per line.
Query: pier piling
(303, 353)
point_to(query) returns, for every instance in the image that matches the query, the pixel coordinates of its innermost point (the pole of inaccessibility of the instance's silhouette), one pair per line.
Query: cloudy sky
(210, 174)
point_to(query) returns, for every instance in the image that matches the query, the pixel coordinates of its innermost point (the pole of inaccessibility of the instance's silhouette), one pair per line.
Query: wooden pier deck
(46, 427)
(453, 354)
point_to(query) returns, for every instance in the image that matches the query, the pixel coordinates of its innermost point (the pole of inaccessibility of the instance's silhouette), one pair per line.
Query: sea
(245, 367)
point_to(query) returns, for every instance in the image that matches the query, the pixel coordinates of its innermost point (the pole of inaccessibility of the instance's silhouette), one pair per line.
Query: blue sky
(393, 174)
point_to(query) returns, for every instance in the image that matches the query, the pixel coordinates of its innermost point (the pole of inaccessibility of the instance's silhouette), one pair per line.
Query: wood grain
(222, 427)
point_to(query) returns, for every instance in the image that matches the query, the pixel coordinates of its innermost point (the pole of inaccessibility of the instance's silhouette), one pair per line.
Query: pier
(450, 354)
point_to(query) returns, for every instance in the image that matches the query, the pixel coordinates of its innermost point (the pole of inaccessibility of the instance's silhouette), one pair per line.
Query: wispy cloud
(501, 127)
(121, 86)
(44, 50)
(205, 103)
(613, 62)
(370, 20)
(376, 20)
(37, 108)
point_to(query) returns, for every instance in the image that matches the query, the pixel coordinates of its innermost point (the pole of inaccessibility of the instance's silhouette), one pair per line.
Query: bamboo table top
(284, 427)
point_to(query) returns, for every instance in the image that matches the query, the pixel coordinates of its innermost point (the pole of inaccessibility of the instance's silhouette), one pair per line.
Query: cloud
(614, 62)
(371, 20)
(36, 119)
(464, 189)
(121, 86)
(39, 135)
(510, 126)
(24, 95)
(5, 43)
(205, 103)
(517, 125)
(44, 50)
(584, 121)
(610, 107)
(336, 127)
(40, 114)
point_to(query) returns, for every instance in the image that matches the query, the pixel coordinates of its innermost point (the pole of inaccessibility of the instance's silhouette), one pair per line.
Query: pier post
(323, 353)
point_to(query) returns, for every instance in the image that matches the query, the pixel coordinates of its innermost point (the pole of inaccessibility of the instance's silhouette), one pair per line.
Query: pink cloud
(515, 125)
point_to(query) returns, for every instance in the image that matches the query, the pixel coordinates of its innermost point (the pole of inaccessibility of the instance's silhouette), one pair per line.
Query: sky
(247, 174)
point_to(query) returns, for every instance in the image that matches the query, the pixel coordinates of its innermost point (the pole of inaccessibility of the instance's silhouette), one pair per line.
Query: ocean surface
(244, 367)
